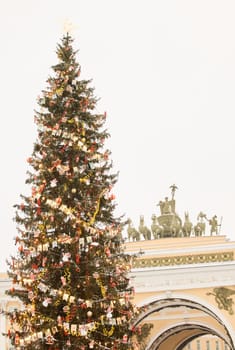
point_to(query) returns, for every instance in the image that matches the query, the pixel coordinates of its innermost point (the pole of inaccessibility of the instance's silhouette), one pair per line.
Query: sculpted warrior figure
(214, 225)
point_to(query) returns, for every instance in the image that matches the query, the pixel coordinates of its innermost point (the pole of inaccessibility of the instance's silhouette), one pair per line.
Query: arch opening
(179, 321)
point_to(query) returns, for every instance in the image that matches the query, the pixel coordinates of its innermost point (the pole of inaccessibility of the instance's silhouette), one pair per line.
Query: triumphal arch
(184, 276)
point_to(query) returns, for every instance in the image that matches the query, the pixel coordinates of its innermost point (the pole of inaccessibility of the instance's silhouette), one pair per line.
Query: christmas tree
(70, 270)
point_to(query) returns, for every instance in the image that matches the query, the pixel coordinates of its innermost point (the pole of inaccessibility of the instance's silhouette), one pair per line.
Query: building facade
(186, 280)
(188, 287)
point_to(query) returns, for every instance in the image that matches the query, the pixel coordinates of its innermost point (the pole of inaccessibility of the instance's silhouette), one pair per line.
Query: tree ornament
(125, 338)
(77, 258)
(58, 200)
(66, 308)
(17, 339)
(68, 343)
(107, 251)
(49, 340)
(59, 320)
(46, 302)
(63, 280)
(53, 183)
(91, 344)
(89, 313)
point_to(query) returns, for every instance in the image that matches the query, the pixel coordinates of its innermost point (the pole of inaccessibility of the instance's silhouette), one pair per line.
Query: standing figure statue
(213, 222)
(144, 230)
(173, 189)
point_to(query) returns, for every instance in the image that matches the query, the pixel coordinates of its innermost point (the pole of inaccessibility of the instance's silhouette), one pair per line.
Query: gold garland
(108, 333)
(102, 288)
(68, 276)
(91, 222)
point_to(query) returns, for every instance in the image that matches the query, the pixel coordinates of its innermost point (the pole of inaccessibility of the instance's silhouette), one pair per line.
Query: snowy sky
(165, 73)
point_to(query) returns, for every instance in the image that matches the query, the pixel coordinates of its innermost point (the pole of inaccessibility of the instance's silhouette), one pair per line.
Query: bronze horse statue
(156, 228)
(176, 226)
(187, 226)
(132, 232)
(144, 230)
(200, 229)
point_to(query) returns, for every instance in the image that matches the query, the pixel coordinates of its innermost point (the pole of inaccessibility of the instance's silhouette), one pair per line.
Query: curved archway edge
(157, 303)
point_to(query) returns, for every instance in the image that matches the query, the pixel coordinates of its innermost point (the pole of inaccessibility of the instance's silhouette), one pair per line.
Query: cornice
(178, 251)
(180, 277)
(156, 250)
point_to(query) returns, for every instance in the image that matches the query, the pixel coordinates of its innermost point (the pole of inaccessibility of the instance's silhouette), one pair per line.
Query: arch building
(186, 280)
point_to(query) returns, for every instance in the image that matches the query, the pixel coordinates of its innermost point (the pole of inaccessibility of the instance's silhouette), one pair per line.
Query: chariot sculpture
(169, 223)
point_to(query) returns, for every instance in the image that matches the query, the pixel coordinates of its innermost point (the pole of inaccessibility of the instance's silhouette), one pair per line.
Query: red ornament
(106, 155)
(112, 197)
(93, 147)
(22, 206)
(34, 266)
(58, 200)
(107, 252)
(17, 339)
(77, 259)
(125, 338)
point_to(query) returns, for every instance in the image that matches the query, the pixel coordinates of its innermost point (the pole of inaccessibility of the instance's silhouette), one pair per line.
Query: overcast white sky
(165, 73)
